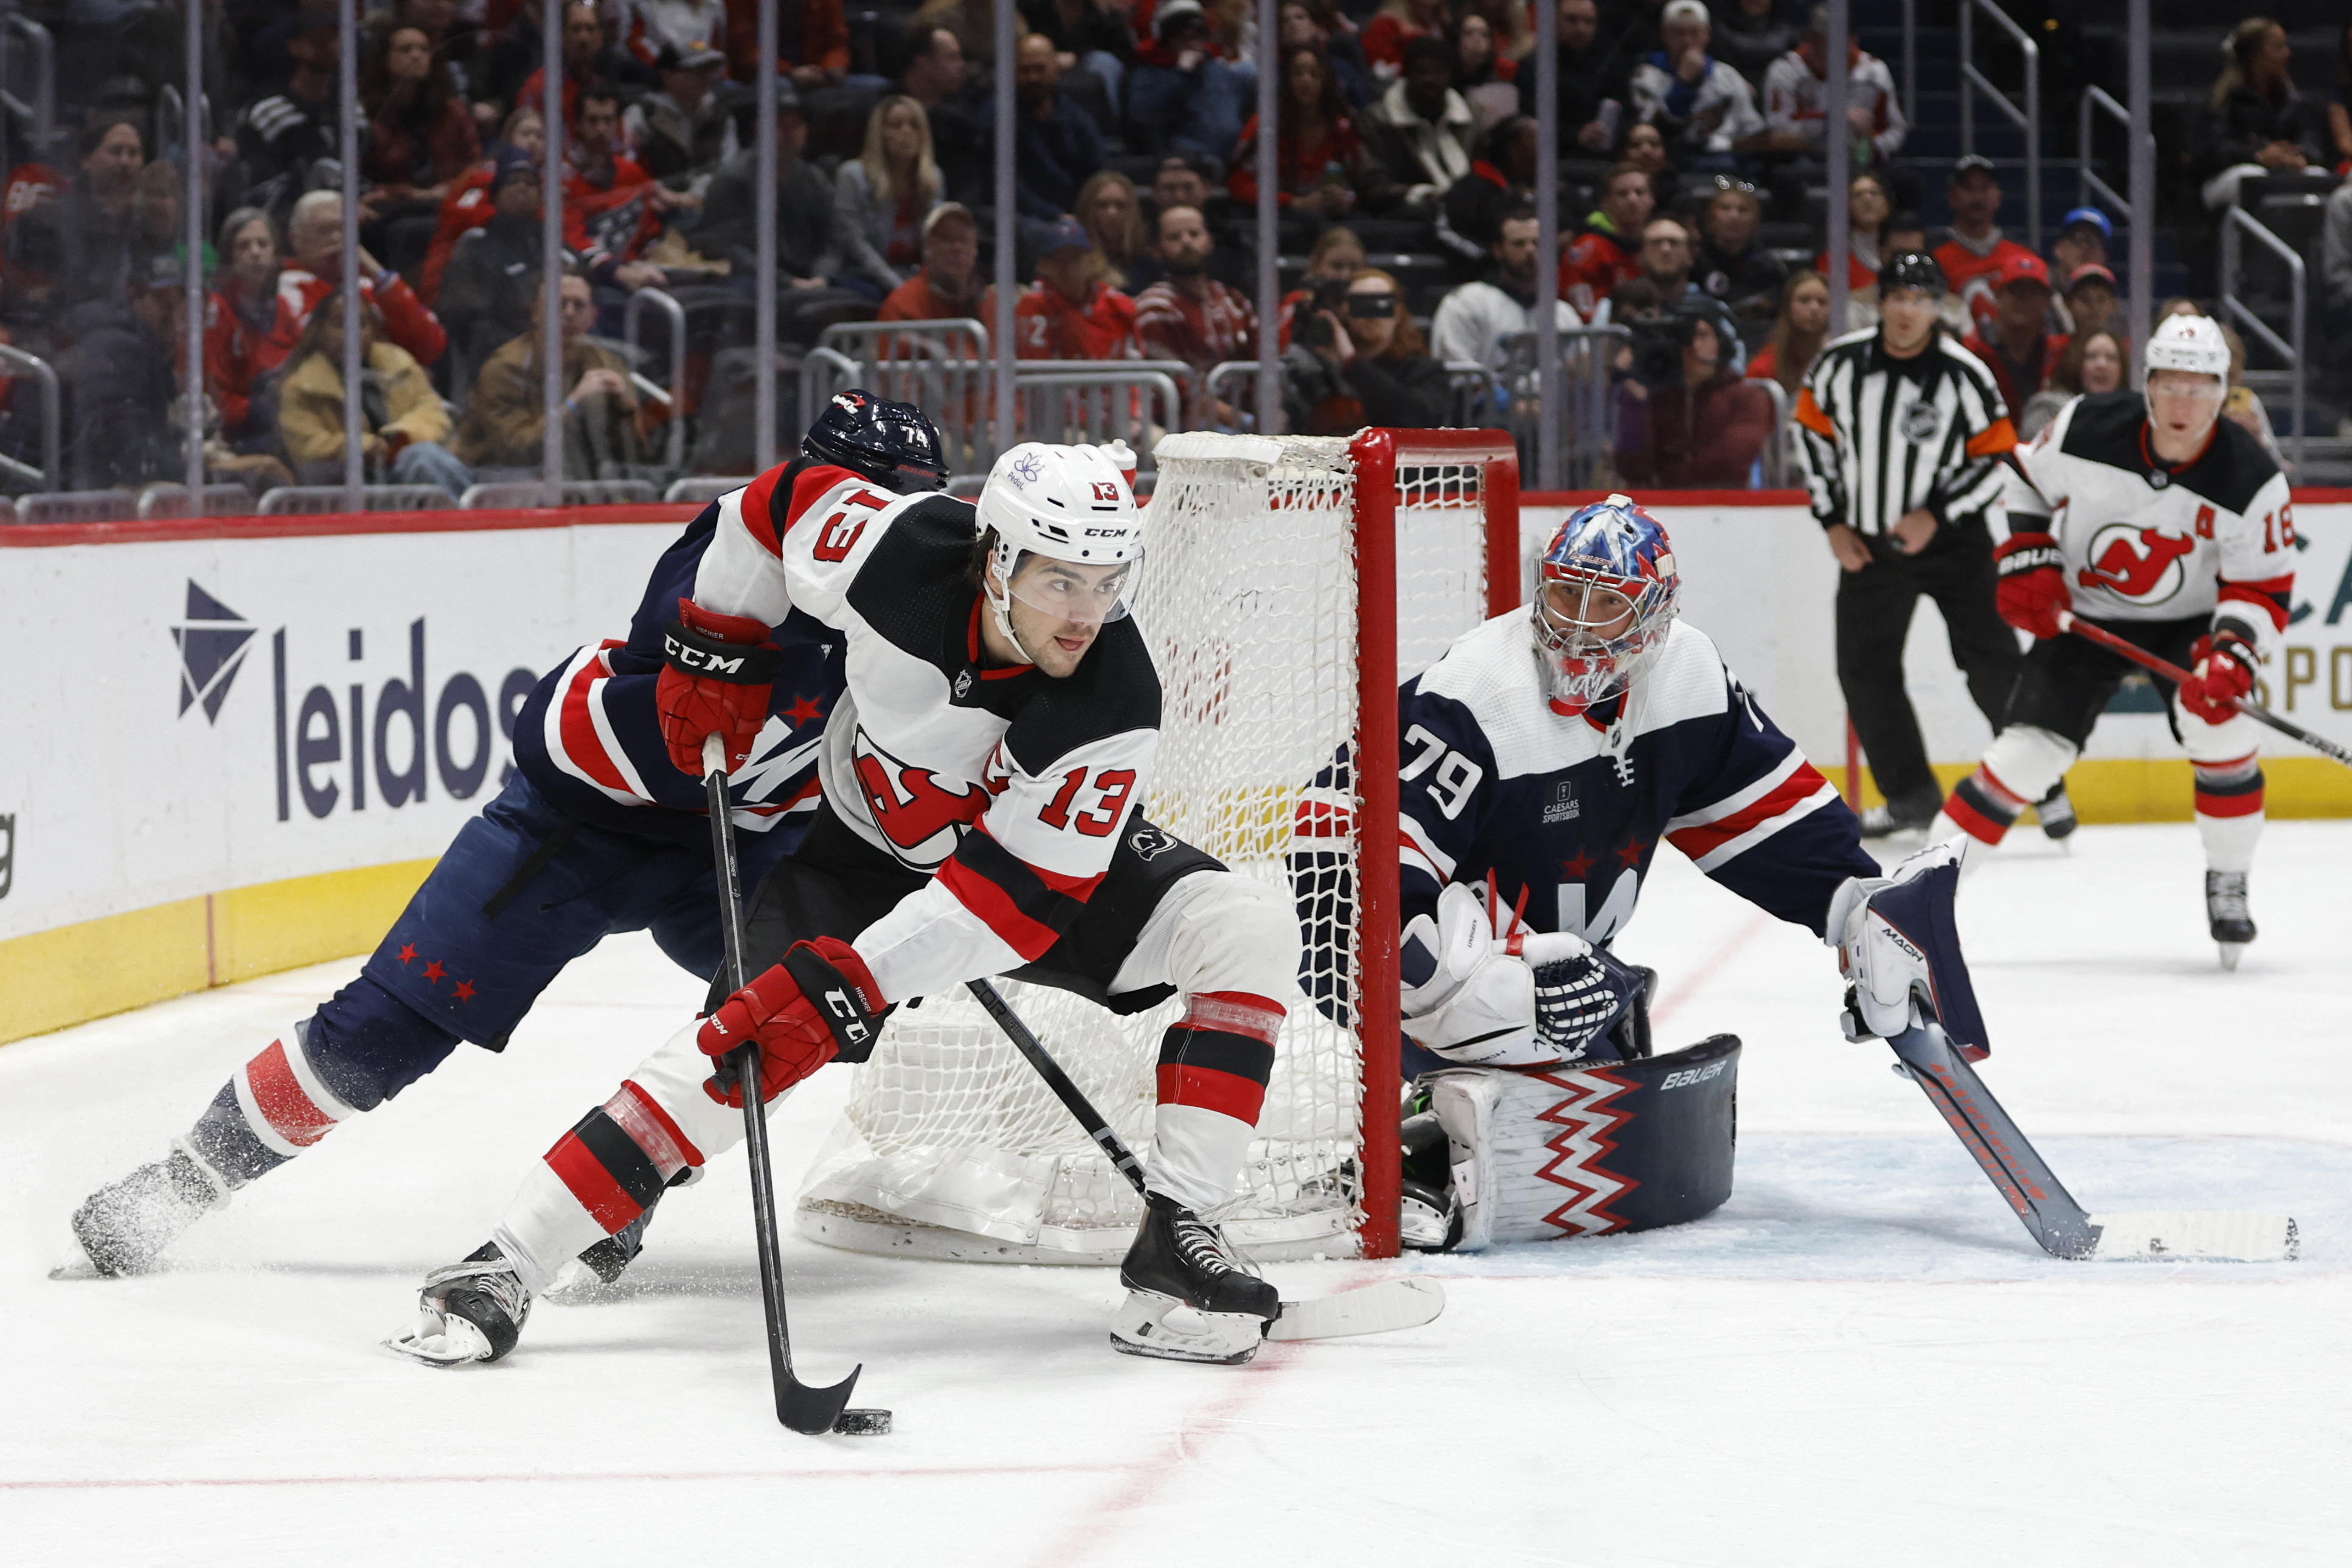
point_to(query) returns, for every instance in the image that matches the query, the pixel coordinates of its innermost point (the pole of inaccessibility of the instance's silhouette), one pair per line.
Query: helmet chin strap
(1000, 606)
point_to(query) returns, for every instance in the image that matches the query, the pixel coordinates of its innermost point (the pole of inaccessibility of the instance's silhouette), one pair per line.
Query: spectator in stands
(2082, 238)
(459, 44)
(933, 71)
(1398, 23)
(1324, 171)
(881, 196)
(1730, 266)
(468, 206)
(612, 208)
(1367, 367)
(815, 54)
(1705, 432)
(1180, 96)
(119, 383)
(1796, 100)
(1071, 314)
(2335, 271)
(2258, 117)
(238, 315)
(1056, 144)
(1420, 130)
(1592, 78)
(587, 61)
(808, 236)
(493, 276)
(1473, 320)
(420, 141)
(1088, 35)
(1483, 76)
(1867, 208)
(1337, 256)
(2094, 362)
(2340, 105)
(279, 137)
(679, 27)
(1603, 255)
(1666, 256)
(506, 418)
(2015, 343)
(1113, 215)
(1512, 24)
(1500, 182)
(1182, 181)
(401, 422)
(315, 233)
(973, 22)
(2091, 299)
(1701, 106)
(681, 128)
(1977, 249)
(1753, 34)
(948, 287)
(1318, 24)
(1189, 316)
(84, 244)
(1798, 333)
(2244, 405)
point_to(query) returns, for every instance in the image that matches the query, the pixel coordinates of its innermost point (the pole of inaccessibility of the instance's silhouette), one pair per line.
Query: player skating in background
(2151, 517)
(596, 832)
(1546, 758)
(982, 778)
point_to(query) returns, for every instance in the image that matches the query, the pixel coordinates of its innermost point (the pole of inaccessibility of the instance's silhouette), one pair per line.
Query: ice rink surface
(1861, 1359)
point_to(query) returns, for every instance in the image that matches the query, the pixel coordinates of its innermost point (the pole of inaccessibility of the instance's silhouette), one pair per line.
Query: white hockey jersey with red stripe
(1008, 784)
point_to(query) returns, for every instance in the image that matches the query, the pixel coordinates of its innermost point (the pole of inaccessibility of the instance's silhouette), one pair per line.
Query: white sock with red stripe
(605, 1172)
(2229, 810)
(1214, 1062)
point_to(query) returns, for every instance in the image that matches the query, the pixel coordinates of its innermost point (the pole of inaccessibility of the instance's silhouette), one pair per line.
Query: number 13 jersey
(1006, 783)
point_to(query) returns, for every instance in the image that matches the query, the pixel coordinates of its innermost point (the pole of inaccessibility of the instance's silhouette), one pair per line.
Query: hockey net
(1289, 583)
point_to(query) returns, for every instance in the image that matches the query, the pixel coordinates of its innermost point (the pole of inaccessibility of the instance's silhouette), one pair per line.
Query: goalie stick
(798, 1406)
(1368, 1310)
(2174, 673)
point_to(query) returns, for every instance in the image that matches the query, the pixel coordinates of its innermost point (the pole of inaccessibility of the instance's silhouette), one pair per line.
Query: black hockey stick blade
(2049, 1212)
(1113, 1146)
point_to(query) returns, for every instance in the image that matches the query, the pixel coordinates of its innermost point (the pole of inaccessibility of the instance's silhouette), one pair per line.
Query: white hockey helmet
(2193, 343)
(1064, 503)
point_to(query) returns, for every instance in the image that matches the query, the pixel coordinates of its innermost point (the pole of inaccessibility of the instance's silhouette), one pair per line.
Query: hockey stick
(2042, 1202)
(1368, 1310)
(798, 1406)
(2174, 673)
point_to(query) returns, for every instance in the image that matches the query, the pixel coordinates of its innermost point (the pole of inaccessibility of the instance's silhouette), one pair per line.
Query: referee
(1899, 436)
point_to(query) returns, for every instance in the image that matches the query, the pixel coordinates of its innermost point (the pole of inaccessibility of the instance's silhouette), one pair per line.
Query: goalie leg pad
(1540, 1156)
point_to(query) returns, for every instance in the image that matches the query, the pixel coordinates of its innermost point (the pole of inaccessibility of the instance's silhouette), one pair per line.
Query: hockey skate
(1180, 1261)
(468, 1312)
(124, 1225)
(1907, 815)
(2226, 914)
(2056, 813)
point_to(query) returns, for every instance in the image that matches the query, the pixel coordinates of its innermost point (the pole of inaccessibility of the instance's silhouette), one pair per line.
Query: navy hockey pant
(522, 891)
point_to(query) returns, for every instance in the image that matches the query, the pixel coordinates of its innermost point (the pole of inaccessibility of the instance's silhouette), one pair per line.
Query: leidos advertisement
(185, 717)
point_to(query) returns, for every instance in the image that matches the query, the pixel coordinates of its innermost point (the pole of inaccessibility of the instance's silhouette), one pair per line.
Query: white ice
(1861, 1359)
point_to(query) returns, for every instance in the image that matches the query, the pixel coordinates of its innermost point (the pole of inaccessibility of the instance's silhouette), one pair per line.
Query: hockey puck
(863, 1423)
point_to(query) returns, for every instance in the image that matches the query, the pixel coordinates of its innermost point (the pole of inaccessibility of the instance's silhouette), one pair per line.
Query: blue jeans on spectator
(1199, 112)
(431, 463)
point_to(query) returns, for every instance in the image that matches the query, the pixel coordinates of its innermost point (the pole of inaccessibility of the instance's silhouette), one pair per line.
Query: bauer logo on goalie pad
(1690, 1075)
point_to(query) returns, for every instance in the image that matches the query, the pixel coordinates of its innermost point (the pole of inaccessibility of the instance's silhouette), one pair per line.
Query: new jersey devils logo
(2144, 565)
(915, 812)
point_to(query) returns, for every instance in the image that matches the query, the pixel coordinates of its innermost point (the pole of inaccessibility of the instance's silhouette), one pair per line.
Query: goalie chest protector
(1540, 1153)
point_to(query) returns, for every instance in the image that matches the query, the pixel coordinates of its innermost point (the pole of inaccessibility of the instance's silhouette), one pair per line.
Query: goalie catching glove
(820, 1003)
(1483, 990)
(1900, 950)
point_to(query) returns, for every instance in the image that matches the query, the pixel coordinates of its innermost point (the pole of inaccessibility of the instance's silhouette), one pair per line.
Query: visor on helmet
(1071, 591)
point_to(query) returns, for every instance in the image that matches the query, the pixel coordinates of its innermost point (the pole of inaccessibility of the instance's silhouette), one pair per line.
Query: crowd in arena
(1691, 158)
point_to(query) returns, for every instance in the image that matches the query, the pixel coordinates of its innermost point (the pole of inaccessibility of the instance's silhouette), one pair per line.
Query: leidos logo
(212, 650)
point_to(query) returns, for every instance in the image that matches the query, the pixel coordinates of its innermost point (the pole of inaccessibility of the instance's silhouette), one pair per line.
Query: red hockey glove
(820, 1003)
(2221, 670)
(2033, 584)
(718, 670)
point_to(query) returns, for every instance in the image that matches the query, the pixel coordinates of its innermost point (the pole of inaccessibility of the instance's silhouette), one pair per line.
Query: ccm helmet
(1605, 601)
(2191, 344)
(1069, 504)
(889, 443)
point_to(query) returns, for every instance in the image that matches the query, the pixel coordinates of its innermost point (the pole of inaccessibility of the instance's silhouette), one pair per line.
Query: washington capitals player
(982, 778)
(595, 831)
(2170, 527)
(1546, 759)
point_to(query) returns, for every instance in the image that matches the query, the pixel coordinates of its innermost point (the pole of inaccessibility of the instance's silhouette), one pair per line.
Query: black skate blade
(811, 1411)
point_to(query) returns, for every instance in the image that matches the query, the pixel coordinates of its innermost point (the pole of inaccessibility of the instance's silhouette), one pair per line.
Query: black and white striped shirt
(1878, 437)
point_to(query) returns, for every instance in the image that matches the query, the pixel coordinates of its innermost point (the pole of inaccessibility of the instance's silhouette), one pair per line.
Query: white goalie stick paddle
(2042, 1202)
(1367, 1310)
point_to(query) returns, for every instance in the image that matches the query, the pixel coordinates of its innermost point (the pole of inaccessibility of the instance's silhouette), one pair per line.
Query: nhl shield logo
(1922, 422)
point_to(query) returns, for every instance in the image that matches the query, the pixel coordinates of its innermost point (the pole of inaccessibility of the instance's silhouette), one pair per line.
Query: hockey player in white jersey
(2170, 527)
(983, 782)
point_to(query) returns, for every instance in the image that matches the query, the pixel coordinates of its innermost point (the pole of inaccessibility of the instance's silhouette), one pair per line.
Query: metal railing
(704, 489)
(1075, 401)
(666, 303)
(78, 506)
(499, 497)
(50, 474)
(318, 501)
(43, 109)
(1911, 59)
(2028, 119)
(2235, 220)
(1475, 401)
(1776, 451)
(215, 500)
(1586, 419)
(2087, 183)
(941, 366)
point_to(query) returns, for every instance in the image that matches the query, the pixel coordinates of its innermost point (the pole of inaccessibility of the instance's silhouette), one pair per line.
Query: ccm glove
(820, 1003)
(717, 673)
(2221, 671)
(2033, 589)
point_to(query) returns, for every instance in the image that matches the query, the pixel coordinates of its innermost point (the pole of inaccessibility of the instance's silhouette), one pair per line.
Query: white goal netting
(951, 1146)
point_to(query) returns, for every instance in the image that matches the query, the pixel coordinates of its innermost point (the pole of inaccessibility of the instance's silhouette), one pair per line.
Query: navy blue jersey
(589, 738)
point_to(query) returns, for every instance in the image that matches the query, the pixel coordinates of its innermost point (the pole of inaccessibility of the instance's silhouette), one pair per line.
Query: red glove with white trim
(718, 672)
(2221, 670)
(2032, 590)
(820, 1003)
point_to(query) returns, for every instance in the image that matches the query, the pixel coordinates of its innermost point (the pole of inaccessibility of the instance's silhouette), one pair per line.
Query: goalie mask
(1604, 603)
(1067, 536)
